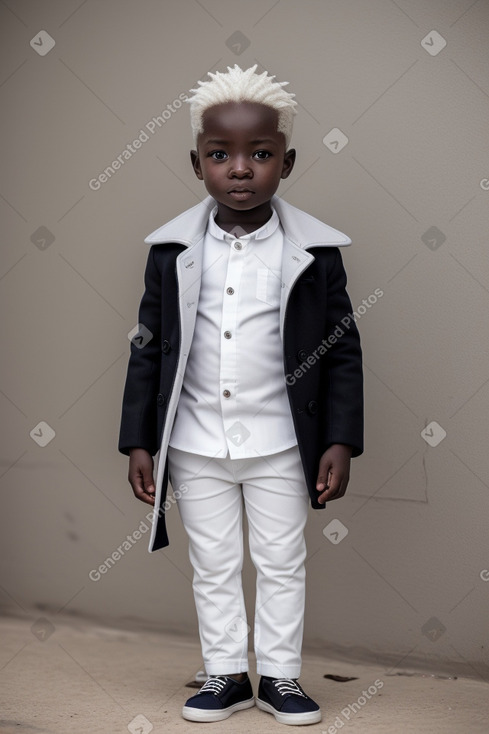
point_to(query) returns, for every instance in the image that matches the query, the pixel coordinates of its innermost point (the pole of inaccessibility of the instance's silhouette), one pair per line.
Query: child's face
(241, 156)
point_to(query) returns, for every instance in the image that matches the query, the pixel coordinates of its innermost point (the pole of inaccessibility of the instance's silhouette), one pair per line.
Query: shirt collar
(264, 231)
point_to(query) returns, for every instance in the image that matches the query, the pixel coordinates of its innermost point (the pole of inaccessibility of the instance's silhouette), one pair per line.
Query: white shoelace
(214, 685)
(286, 685)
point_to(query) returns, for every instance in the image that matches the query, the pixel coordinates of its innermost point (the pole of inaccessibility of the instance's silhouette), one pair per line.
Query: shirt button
(238, 246)
(227, 334)
(230, 291)
(226, 393)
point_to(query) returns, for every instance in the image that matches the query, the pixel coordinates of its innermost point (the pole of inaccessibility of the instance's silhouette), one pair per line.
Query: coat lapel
(294, 261)
(301, 232)
(189, 274)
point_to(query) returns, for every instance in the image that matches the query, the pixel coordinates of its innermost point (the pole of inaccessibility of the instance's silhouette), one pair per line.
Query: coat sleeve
(138, 427)
(344, 375)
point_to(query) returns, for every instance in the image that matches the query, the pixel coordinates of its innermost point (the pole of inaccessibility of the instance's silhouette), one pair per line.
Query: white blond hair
(237, 85)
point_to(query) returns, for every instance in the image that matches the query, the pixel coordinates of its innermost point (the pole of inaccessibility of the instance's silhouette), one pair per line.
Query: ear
(194, 157)
(289, 160)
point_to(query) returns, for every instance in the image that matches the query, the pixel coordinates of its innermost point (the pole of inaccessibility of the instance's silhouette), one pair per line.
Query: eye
(218, 155)
(262, 155)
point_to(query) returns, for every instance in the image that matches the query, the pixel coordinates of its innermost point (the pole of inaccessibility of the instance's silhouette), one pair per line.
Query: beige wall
(416, 514)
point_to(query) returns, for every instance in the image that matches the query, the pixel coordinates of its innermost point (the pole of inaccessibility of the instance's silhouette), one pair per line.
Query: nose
(240, 168)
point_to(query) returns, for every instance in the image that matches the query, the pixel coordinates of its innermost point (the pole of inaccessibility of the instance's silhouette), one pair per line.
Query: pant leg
(211, 511)
(277, 502)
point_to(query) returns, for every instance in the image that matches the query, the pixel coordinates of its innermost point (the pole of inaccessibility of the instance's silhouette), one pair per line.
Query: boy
(250, 387)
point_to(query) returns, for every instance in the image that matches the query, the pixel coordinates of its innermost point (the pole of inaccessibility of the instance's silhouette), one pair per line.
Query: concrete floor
(84, 678)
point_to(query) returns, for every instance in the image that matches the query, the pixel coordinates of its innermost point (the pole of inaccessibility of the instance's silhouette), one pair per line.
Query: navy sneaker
(285, 699)
(219, 697)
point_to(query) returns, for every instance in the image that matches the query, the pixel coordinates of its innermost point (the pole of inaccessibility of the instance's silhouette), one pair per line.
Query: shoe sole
(205, 715)
(309, 717)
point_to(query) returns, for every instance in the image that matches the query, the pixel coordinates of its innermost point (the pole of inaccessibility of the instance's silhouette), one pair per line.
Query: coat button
(166, 347)
(302, 355)
(160, 399)
(312, 407)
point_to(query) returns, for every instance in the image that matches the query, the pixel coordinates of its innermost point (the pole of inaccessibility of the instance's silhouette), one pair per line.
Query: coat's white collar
(301, 228)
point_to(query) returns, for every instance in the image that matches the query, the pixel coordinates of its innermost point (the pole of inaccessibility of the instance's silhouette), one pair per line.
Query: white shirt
(234, 398)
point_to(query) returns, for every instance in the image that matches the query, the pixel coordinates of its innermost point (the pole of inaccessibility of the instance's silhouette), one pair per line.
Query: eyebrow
(259, 141)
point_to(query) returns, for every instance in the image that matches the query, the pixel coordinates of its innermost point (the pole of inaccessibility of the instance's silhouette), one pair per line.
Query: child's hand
(141, 475)
(334, 472)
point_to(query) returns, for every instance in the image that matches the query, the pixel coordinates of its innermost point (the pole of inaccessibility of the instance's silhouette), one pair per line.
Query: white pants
(276, 501)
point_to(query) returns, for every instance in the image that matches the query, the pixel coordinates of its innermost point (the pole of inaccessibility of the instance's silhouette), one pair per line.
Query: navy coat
(321, 344)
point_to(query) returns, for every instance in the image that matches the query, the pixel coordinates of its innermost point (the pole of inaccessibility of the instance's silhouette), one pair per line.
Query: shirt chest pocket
(268, 285)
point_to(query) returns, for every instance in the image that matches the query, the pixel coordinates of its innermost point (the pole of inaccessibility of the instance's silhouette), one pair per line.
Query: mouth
(240, 194)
